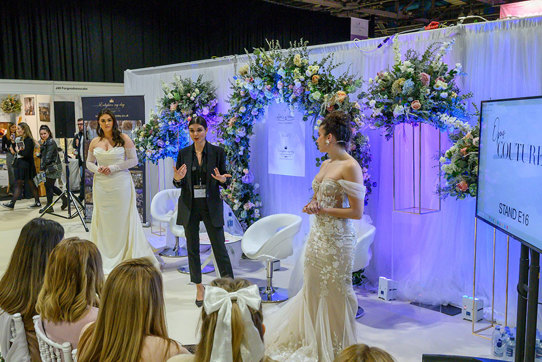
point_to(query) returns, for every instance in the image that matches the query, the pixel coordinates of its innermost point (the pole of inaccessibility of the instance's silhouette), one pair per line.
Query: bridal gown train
(317, 323)
(116, 227)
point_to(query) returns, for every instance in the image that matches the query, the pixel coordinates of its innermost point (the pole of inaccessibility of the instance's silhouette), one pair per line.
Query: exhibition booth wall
(431, 256)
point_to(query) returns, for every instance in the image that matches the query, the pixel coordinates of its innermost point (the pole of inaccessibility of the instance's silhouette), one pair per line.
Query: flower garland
(166, 132)
(460, 165)
(11, 104)
(283, 76)
(417, 90)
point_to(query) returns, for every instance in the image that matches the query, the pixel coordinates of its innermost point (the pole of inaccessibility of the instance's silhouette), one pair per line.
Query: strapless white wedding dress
(317, 323)
(116, 227)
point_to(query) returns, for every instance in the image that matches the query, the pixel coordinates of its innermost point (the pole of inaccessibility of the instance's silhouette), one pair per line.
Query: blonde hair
(73, 281)
(132, 307)
(363, 353)
(26, 129)
(208, 322)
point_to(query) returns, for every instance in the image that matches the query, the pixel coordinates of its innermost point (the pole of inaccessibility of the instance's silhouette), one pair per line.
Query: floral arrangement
(166, 132)
(156, 140)
(11, 104)
(418, 89)
(186, 99)
(460, 165)
(282, 76)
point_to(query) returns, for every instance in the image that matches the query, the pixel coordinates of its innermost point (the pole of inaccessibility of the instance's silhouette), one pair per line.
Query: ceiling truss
(392, 16)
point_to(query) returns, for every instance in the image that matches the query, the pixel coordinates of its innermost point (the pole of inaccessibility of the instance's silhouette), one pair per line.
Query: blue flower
(408, 86)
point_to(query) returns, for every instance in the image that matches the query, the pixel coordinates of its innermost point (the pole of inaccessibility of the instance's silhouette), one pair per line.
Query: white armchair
(268, 239)
(163, 208)
(362, 253)
(13, 344)
(51, 351)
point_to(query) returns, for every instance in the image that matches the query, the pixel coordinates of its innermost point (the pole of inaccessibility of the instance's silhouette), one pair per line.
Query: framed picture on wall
(45, 112)
(29, 106)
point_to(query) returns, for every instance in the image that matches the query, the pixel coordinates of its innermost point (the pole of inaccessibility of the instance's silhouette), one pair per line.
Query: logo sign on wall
(286, 148)
(130, 113)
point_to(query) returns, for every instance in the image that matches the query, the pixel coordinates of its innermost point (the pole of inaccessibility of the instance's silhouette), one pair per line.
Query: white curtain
(431, 256)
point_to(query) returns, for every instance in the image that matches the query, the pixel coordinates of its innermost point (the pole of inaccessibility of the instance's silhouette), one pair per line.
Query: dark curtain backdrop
(96, 41)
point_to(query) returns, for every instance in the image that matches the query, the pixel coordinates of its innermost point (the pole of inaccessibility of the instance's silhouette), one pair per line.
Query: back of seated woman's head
(73, 281)
(22, 281)
(131, 307)
(239, 328)
(363, 353)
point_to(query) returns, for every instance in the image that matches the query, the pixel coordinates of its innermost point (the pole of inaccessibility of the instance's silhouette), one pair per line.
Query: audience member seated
(232, 326)
(71, 290)
(363, 353)
(22, 281)
(131, 323)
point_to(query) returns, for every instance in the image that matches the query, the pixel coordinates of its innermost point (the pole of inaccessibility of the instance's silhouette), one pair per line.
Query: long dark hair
(22, 281)
(45, 127)
(198, 120)
(117, 139)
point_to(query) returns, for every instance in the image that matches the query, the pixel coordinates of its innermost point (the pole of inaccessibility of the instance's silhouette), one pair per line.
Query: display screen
(510, 168)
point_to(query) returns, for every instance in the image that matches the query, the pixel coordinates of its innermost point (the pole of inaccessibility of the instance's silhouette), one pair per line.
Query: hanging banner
(286, 141)
(130, 113)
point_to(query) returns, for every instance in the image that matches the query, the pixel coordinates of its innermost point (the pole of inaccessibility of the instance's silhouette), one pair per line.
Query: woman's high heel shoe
(199, 303)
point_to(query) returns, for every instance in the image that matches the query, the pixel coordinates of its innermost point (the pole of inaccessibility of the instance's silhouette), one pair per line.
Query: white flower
(372, 103)
(170, 96)
(370, 80)
(377, 112)
(398, 110)
(443, 95)
(442, 159)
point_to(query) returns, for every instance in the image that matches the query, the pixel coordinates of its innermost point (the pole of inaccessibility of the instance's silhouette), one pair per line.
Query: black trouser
(51, 189)
(199, 212)
(19, 189)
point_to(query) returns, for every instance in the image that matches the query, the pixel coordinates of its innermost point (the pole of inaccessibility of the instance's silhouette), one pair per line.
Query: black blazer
(216, 158)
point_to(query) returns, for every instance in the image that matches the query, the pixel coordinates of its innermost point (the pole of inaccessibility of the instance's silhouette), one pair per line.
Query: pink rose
(462, 186)
(463, 151)
(189, 119)
(425, 79)
(415, 105)
(173, 106)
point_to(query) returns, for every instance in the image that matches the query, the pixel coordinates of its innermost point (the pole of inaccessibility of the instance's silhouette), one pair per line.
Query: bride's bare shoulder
(352, 170)
(94, 142)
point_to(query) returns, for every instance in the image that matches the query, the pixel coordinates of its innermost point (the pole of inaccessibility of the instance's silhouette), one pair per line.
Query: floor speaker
(64, 119)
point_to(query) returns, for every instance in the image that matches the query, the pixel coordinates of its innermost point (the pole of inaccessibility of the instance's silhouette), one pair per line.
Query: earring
(327, 142)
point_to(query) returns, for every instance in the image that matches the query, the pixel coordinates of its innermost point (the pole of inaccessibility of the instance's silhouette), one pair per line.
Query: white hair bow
(217, 299)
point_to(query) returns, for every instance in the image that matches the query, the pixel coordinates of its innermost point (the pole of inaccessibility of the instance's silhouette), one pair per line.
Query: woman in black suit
(24, 168)
(200, 170)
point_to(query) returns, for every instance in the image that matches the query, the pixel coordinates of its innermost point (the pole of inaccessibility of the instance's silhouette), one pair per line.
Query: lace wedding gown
(318, 322)
(116, 227)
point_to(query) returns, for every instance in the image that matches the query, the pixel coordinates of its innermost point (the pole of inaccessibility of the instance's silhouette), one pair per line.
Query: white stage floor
(404, 330)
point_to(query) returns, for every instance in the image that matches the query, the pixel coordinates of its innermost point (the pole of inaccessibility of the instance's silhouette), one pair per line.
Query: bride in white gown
(318, 322)
(116, 227)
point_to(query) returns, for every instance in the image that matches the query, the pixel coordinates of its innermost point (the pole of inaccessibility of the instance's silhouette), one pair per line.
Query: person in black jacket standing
(200, 170)
(79, 152)
(24, 168)
(8, 146)
(52, 166)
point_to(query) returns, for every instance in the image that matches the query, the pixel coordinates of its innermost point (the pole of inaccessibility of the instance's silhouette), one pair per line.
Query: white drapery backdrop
(431, 256)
